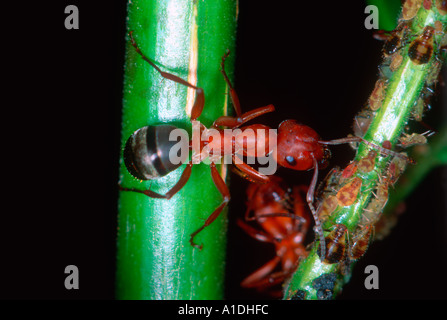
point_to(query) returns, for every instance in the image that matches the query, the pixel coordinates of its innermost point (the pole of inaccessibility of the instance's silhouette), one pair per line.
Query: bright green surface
(155, 259)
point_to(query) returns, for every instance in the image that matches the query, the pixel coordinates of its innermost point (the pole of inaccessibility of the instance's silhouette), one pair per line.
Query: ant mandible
(298, 147)
(283, 220)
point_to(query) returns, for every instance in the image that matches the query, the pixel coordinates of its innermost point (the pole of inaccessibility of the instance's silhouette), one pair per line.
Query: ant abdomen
(147, 151)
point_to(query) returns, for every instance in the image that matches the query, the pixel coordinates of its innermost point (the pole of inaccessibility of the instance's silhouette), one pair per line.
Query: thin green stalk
(315, 279)
(155, 259)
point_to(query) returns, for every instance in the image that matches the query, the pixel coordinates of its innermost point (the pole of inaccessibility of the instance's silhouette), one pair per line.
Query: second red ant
(282, 219)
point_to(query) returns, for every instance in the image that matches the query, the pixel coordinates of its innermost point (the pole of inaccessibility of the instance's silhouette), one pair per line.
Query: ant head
(298, 145)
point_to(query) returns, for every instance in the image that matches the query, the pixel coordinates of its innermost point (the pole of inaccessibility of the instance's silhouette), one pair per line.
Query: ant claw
(191, 241)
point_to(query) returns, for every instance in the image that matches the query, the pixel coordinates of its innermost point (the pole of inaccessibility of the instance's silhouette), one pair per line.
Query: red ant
(146, 154)
(298, 147)
(283, 220)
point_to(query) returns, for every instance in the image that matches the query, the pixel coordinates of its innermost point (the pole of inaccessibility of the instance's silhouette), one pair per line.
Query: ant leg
(310, 200)
(249, 173)
(283, 215)
(249, 204)
(165, 75)
(198, 105)
(298, 206)
(233, 94)
(372, 145)
(176, 188)
(257, 277)
(200, 97)
(147, 192)
(234, 122)
(254, 233)
(181, 182)
(246, 172)
(223, 189)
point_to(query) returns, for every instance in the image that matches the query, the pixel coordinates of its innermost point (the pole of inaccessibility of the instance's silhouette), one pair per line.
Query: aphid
(360, 242)
(422, 104)
(376, 97)
(382, 193)
(361, 122)
(408, 140)
(349, 170)
(418, 110)
(335, 245)
(327, 201)
(410, 8)
(347, 194)
(421, 49)
(433, 76)
(297, 147)
(395, 39)
(395, 169)
(343, 249)
(282, 218)
(372, 212)
(366, 164)
(396, 61)
(327, 207)
(329, 183)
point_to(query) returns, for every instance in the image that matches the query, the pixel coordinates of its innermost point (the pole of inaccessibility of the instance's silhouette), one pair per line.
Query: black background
(62, 143)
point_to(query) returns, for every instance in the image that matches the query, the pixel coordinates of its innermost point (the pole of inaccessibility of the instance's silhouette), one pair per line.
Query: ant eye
(291, 160)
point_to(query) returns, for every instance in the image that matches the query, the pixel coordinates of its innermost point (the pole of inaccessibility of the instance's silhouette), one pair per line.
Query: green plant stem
(155, 259)
(313, 278)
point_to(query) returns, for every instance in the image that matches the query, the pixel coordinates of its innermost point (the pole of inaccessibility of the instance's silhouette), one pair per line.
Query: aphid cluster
(341, 187)
(421, 49)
